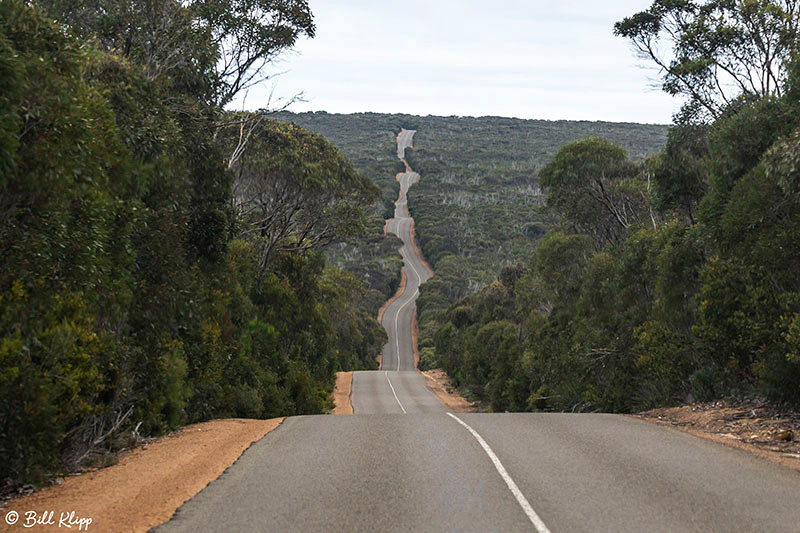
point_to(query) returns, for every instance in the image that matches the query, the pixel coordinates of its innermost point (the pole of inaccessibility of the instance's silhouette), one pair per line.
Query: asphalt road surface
(385, 392)
(404, 140)
(427, 472)
(403, 464)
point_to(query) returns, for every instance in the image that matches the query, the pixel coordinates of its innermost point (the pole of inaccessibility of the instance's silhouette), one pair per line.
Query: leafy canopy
(720, 49)
(295, 191)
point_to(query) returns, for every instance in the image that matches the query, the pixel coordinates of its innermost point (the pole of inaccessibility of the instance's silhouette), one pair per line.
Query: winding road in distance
(398, 387)
(398, 354)
(403, 463)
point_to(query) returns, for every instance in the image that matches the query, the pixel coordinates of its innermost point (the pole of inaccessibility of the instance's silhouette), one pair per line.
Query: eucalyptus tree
(248, 35)
(597, 190)
(294, 191)
(216, 47)
(714, 51)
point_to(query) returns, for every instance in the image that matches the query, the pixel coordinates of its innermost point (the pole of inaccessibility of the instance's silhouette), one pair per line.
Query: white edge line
(385, 373)
(523, 502)
(396, 334)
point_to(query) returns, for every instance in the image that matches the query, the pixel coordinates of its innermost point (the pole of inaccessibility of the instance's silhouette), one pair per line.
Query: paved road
(427, 472)
(403, 464)
(404, 140)
(385, 392)
(398, 354)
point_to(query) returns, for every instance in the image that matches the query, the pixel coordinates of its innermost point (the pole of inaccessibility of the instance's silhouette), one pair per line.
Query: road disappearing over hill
(398, 387)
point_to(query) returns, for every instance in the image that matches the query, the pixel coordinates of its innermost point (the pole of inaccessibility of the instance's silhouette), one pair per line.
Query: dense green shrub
(663, 306)
(132, 298)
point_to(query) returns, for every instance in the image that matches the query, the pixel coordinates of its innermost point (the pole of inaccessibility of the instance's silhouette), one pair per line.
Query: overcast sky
(545, 59)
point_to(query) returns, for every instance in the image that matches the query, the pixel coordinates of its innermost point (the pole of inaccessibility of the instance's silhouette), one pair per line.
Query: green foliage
(10, 96)
(247, 34)
(208, 49)
(680, 172)
(571, 174)
(560, 261)
(367, 140)
(676, 310)
(48, 377)
(132, 298)
(721, 50)
(740, 140)
(598, 192)
(295, 191)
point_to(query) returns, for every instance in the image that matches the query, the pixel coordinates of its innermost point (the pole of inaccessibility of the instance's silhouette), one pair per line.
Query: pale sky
(541, 59)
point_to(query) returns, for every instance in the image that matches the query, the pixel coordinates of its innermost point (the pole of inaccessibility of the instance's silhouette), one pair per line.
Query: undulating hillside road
(404, 464)
(398, 354)
(398, 387)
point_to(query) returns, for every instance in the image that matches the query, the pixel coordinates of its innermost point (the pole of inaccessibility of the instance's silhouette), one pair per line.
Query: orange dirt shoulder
(149, 483)
(752, 426)
(400, 290)
(442, 386)
(341, 393)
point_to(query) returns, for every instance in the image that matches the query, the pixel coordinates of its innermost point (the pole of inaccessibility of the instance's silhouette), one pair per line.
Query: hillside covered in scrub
(479, 205)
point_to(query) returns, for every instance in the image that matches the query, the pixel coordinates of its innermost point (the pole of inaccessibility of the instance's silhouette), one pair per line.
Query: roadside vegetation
(480, 205)
(369, 141)
(670, 279)
(160, 259)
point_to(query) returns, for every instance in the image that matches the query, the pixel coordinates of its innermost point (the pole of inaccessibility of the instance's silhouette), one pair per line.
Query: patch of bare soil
(415, 337)
(341, 393)
(442, 386)
(419, 251)
(148, 483)
(400, 290)
(754, 426)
